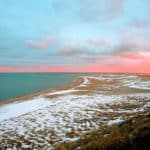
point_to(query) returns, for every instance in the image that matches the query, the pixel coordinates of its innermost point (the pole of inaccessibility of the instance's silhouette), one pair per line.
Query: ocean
(18, 84)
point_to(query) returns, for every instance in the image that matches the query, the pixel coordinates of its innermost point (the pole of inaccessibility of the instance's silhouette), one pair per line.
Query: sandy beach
(48, 118)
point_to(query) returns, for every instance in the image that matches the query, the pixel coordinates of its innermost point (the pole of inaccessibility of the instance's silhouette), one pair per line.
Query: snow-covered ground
(16, 109)
(140, 85)
(43, 122)
(86, 81)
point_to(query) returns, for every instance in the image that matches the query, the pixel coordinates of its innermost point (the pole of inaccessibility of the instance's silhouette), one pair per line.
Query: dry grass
(109, 87)
(134, 134)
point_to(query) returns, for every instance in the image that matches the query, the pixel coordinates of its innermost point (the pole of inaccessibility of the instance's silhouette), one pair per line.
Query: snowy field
(43, 122)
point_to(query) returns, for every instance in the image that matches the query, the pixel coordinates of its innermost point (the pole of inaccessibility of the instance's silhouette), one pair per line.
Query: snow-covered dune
(42, 122)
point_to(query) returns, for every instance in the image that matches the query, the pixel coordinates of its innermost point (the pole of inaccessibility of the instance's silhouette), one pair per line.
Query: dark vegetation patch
(133, 134)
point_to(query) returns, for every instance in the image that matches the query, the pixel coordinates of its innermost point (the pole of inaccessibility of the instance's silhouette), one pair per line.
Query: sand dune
(64, 114)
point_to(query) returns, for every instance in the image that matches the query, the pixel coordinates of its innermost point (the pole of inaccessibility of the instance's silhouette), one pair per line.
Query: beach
(15, 85)
(91, 102)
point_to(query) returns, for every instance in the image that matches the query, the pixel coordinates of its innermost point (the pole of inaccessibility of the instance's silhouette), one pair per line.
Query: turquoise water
(17, 84)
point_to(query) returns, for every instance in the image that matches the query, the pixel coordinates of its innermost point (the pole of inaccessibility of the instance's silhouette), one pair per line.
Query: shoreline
(77, 81)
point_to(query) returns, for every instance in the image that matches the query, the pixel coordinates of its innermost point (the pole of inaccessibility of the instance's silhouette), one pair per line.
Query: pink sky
(75, 36)
(141, 68)
(129, 62)
(123, 62)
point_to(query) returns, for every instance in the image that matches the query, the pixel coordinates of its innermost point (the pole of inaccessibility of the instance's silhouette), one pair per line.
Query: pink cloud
(41, 45)
(129, 62)
(134, 55)
(141, 67)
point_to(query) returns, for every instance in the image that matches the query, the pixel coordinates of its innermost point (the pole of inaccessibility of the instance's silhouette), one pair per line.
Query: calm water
(18, 84)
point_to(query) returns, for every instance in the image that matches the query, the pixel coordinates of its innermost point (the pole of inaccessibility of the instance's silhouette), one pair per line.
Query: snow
(63, 92)
(16, 109)
(132, 81)
(113, 77)
(86, 81)
(40, 115)
(140, 85)
(116, 121)
(62, 115)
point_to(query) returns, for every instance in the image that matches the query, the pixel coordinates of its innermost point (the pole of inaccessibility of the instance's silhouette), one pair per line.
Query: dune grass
(133, 134)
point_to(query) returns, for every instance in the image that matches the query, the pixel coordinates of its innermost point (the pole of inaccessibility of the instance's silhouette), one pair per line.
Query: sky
(75, 36)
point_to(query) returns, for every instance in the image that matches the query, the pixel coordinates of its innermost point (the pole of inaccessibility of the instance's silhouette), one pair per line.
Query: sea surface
(18, 84)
